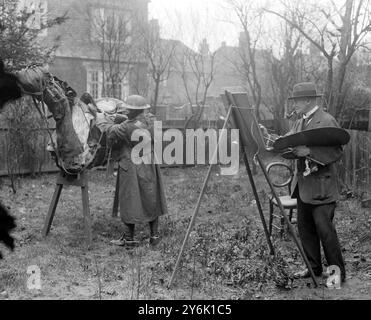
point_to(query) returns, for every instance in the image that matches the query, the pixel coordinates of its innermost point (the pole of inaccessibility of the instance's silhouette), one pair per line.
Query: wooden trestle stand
(78, 180)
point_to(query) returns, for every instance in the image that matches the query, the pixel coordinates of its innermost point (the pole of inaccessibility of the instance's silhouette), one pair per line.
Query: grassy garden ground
(226, 258)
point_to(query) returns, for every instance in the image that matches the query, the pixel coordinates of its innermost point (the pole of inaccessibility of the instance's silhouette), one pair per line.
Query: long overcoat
(141, 191)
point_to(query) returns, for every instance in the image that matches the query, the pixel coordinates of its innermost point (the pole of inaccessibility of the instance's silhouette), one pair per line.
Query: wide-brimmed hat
(135, 102)
(305, 90)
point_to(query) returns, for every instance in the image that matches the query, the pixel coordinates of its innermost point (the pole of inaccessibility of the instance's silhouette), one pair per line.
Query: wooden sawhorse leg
(79, 181)
(52, 208)
(86, 213)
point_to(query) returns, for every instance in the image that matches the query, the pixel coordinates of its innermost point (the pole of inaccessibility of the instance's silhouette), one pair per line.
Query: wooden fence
(40, 161)
(355, 167)
(36, 159)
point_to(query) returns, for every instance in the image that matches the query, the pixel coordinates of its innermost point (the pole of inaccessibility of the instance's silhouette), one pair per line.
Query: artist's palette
(325, 137)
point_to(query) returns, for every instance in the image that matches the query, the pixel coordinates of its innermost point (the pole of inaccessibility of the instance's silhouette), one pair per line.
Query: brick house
(227, 76)
(173, 103)
(78, 59)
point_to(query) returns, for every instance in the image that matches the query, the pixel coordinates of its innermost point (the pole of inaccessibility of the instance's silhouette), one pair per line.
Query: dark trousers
(130, 228)
(315, 224)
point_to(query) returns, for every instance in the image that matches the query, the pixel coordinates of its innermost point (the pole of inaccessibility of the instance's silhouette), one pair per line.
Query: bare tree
(284, 67)
(159, 55)
(250, 20)
(21, 44)
(113, 33)
(337, 32)
(197, 71)
(21, 35)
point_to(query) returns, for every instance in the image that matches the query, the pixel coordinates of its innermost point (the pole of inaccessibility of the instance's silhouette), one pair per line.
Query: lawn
(226, 258)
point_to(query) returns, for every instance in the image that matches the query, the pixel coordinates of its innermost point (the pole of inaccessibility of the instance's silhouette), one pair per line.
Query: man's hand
(100, 117)
(120, 118)
(301, 151)
(92, 109)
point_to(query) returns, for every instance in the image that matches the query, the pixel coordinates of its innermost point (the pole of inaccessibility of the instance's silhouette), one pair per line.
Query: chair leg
(282, 231)
(271, 208)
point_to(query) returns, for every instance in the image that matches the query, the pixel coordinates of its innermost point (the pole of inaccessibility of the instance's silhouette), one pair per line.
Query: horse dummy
(76, 140)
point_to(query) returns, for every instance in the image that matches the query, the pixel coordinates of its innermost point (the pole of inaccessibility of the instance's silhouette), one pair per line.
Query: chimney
(154, 27)
(204, 48)
(224, 44)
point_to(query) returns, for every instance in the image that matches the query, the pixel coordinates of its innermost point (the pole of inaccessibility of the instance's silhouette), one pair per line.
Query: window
(111, 24)
(95, 86)
(118, 89)
(115, 90)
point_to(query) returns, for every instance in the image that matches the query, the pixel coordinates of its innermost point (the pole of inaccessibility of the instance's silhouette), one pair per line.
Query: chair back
(282, 167)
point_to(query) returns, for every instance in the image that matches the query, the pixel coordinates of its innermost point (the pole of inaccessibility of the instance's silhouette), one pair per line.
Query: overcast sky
(193, 20)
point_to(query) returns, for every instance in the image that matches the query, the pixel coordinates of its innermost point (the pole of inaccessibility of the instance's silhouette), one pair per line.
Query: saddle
(77, 143)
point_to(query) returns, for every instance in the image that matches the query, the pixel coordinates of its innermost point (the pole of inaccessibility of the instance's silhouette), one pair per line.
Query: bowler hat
(305, 90)
(136, 102)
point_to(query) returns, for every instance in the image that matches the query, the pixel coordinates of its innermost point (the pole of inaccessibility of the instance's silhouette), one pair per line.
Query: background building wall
(77, 53)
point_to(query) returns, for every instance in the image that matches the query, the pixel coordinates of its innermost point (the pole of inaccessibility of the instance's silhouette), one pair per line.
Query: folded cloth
(109, 105)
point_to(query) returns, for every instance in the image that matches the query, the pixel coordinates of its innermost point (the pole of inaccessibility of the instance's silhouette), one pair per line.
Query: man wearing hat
(316, 191)
(141, 192)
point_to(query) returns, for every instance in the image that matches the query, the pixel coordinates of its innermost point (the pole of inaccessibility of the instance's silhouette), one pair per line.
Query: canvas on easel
(243, 117)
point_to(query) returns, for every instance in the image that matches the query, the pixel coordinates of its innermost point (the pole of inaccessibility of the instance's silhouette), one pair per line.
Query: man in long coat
(316, 189)
(141, 192)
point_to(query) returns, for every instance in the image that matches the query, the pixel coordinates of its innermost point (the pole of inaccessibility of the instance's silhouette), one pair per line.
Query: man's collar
(310, 113)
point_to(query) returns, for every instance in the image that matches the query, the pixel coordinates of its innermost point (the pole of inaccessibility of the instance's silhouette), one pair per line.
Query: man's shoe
(154, 240)
(125, 242)
(305, 274)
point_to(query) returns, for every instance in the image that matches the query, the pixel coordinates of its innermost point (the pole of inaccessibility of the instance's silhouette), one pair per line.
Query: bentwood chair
(288, 203)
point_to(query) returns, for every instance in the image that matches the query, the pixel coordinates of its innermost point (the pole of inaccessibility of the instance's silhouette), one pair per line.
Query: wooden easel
(78, 180)
(244, 122)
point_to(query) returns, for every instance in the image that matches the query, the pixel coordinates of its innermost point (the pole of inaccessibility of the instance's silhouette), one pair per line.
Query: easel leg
(195, 212)
(86, 212)
(258, 204)
(53, 206)
(271, 211)
(115, 209)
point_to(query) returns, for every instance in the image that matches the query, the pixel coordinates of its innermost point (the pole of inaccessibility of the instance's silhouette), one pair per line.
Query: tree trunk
(346, 31)
(328, 94)
(345, 47)
(155, 98)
